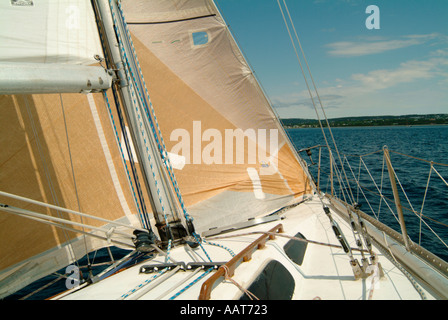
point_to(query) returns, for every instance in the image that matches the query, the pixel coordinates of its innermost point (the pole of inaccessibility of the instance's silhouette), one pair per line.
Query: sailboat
(138, 128)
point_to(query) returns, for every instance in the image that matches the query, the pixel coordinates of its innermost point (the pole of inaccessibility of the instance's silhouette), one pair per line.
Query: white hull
(325, 273)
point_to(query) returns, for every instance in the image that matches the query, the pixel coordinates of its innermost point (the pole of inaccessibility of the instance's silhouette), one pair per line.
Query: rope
(47, 174)
(115, 223)
(221, 246)
(153, 120)
(191, 284)
(74, 176)
(382, 197)
(198, 239)
(139, 85)
(134, 89)
(247, 292)
(420, 159)
(141, 210)
(419, 215)
(314, 86)
(287, 236)
(168, 250)
(143, 284)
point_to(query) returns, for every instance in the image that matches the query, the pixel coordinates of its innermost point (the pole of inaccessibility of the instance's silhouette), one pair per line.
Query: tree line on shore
(406, 120)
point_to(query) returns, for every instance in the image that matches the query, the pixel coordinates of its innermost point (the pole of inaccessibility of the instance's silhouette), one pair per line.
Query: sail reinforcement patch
(200, 38)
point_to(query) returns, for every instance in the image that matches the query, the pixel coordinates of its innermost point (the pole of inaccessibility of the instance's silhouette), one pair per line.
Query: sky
(399, 68)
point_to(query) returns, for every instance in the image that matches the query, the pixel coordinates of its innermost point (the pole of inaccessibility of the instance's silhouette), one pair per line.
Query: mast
(151, 156)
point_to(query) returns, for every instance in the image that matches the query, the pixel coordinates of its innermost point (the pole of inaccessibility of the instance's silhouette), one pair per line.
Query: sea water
(423, 142)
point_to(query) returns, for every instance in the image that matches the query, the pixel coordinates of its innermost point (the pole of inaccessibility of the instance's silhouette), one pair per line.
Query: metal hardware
(243, 256)
(397, 198)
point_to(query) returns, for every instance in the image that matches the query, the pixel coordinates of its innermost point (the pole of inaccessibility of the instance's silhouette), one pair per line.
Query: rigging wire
(115, 223)
(63, 225)
(326, 119)
(136, 190)
(130, 76)
(338, 232)
(74, 181)
(284, 236)
(386, 199)
(48, 175)
(139, 85)
(314, 85)
(133, 64)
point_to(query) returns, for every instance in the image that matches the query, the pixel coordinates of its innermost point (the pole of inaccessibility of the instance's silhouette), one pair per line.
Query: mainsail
(231, 158)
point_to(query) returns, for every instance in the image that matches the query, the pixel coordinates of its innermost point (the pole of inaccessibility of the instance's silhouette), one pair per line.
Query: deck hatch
(273, 283)
(295, 250)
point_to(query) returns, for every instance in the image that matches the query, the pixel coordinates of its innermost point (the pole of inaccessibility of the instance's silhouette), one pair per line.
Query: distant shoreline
(369, 121)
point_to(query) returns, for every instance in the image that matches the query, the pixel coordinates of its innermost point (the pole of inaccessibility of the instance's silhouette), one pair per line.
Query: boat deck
(325, 273)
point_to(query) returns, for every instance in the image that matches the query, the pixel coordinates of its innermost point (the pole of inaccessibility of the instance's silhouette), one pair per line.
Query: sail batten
(167, 11)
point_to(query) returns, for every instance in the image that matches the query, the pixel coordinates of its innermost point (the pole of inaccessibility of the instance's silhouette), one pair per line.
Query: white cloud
(303, 100)
(407, 72)
(375, 45)
(360, 93)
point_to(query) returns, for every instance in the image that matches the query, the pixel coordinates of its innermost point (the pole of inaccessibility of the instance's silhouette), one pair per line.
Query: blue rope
(139, 85)
(221, 246)
(167, 258)
(142, 130)
(161, 143)
(191, 284)
(141, 285)
(198, 239)
(142, 214)
(124, 161)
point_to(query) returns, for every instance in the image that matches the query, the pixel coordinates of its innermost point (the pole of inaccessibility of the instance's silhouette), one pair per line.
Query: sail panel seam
(108, 156)
(170, 21)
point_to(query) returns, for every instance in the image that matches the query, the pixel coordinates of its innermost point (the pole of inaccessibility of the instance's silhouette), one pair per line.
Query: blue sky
(401, 68)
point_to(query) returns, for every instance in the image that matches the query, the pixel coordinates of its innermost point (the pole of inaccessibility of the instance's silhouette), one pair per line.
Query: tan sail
(35, 163)
(204, 94)
(56, 149)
